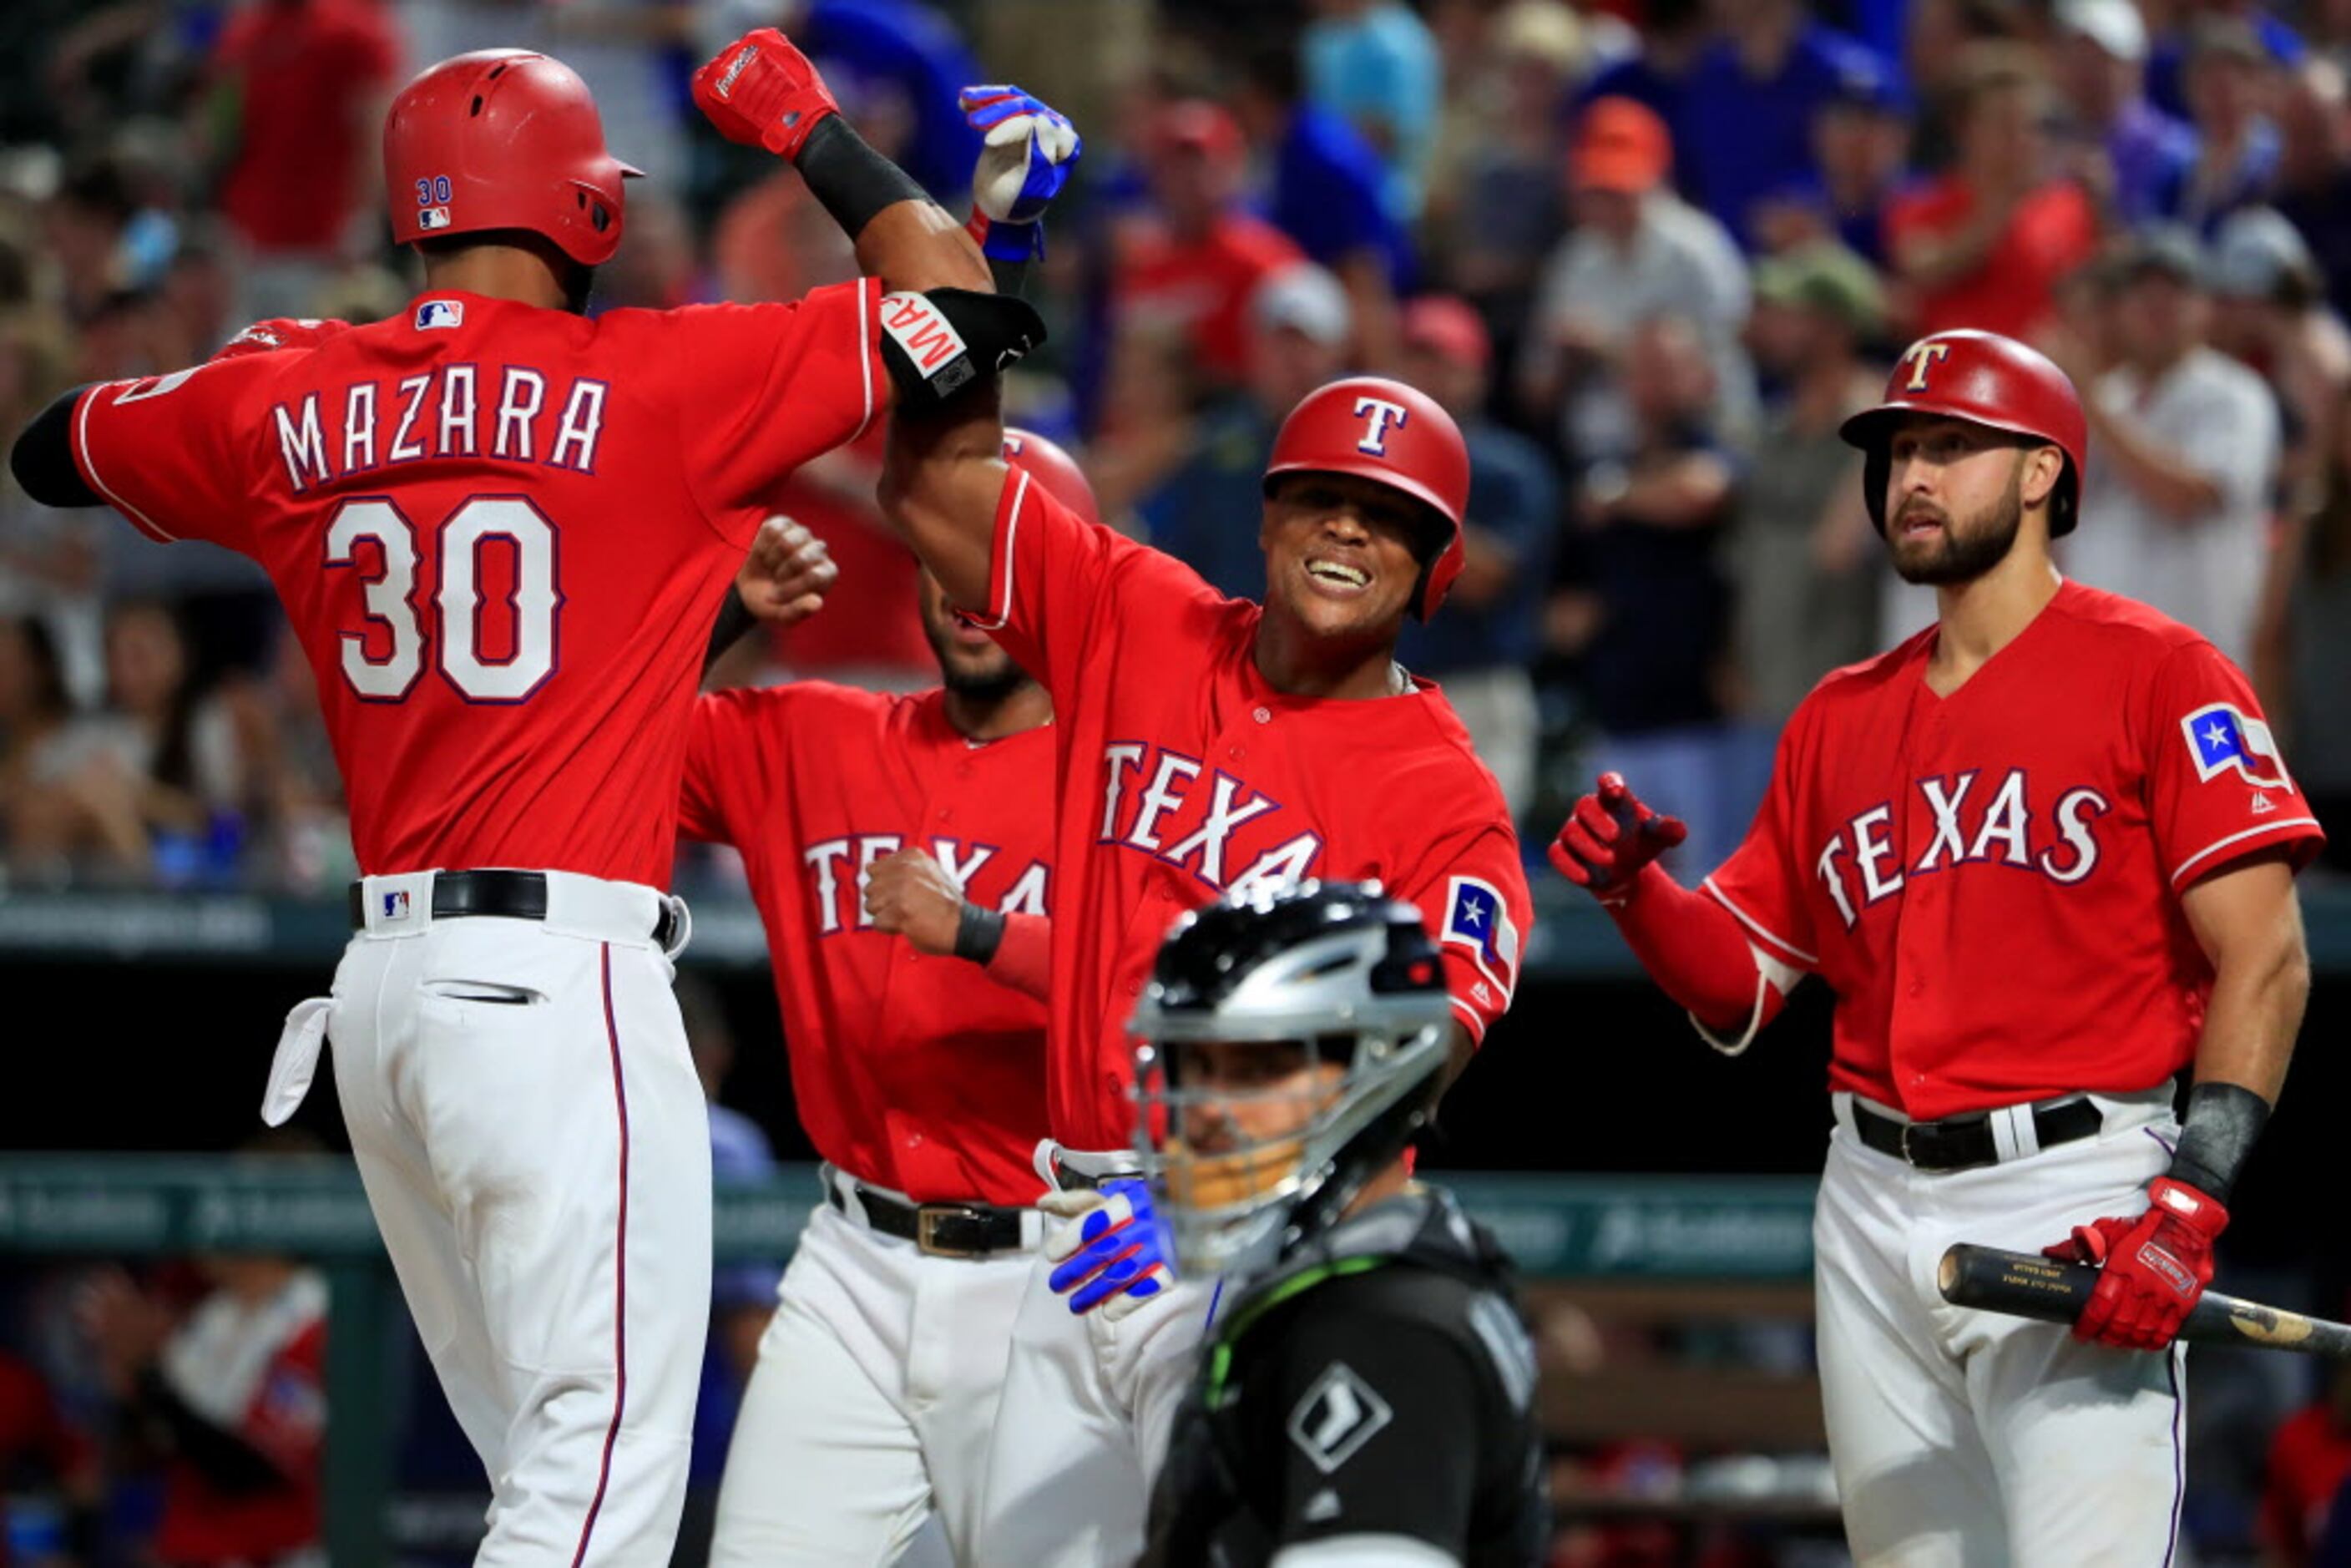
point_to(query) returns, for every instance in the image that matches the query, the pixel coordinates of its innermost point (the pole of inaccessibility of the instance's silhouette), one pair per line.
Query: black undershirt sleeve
(43, 461)
(1376, 1430)
(230, 1465)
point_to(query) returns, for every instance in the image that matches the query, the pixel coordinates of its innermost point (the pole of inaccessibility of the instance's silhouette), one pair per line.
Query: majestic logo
(1378, 413)
(435, 313)
(1339, 1415)
(1922, 357)
(2221, 737)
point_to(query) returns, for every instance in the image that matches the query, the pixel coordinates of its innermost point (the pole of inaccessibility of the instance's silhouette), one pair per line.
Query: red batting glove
(280, 332)
(1609, 837)
(2155, 1266)
(761, 91)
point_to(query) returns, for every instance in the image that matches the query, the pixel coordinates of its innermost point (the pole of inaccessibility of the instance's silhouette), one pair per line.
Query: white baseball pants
(873, 1402)
(534, 1144)
(1971, 1439)
(1087, 1409)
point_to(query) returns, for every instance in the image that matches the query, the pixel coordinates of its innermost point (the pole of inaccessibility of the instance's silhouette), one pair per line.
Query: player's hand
(1115, 1255)
(1027, 151)
(761, 91)
(788, 573)
(281, 332)
(1609, 837)
(910, 895)
(125, 1326)
(2155, 1266)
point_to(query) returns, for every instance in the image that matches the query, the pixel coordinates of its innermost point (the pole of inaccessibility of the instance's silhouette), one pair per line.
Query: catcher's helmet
(1385, 430)
(503, 139)
(1046, 463)
(1319, 974)
(1989, 380)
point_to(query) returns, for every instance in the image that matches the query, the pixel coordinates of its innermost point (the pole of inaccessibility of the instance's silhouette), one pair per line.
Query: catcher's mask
(1291, 1043)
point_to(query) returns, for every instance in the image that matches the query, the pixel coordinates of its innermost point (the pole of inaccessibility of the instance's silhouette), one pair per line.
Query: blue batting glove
(1027, 151)
(1116, 1255)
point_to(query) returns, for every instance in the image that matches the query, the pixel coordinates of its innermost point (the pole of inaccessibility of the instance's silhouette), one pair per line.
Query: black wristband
(978, 932)
(734, 623)
(851, 180)
(2223, 1121)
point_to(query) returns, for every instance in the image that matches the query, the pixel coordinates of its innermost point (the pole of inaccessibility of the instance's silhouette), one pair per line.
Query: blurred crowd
(1650, 252)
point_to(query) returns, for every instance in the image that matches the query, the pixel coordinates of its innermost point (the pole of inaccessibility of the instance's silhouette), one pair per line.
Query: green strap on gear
(1220, 1356)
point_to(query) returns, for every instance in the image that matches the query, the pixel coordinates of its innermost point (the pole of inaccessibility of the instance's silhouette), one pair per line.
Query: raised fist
(1027, 152)
(1609, 837)
(761, 91)
(910, 895)
(787, 575)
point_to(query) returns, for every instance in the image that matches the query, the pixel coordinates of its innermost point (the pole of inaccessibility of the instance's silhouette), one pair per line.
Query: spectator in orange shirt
(1984, 244)
(1190, 266)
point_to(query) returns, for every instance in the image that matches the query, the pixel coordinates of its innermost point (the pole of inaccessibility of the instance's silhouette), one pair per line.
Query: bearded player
(1202, 743)
(2043, 854)
(885, 838)
(496, 526)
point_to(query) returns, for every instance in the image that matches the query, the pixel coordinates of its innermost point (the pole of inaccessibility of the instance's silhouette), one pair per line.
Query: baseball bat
(2028, 1285)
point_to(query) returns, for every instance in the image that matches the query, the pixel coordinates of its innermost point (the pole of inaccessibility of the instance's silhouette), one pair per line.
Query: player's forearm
(2255, 1013)
(2261, 983)
(903, 237)
(1692, 946)
(1023, 957)
(942, 477)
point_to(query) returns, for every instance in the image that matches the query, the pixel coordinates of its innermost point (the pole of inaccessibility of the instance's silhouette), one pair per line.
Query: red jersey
(501, 534)
(1990, 881)
(923, 1074)
(258, 1370)
(1201, 288)
(1181, 774)
(2052, 231)
(304, 76)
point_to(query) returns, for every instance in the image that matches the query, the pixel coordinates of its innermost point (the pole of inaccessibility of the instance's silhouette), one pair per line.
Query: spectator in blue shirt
(1205, 513)
(2137, 157)
(916, 50)
(1375, 62)
(1673, 36)
(1326, 195)
(1745, 132)
(2239, 148)
(1861, 148)
(2166, 69)
(1481, 645)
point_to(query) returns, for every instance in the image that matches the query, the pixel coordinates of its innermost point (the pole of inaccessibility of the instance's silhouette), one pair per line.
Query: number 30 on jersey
(465, 537)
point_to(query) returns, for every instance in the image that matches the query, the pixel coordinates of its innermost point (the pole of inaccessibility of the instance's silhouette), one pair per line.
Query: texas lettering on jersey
(838, 868)
(1155, 803)
(1990, 880)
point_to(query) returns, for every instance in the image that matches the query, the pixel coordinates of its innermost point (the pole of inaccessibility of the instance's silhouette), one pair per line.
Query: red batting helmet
(1045, 461)
(1988, 380)
(503, 139)
(1384, 431)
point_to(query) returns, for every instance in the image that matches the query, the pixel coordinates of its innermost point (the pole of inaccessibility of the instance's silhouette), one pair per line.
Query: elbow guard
(43, 462)
(939, 343)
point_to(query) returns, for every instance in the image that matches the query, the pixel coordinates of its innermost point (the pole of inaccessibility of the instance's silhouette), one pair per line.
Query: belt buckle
(927, 1220)
(1903, 1143)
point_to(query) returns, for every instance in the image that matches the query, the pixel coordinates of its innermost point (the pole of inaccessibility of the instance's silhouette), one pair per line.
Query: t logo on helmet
(1382, 414)
(1921, 357)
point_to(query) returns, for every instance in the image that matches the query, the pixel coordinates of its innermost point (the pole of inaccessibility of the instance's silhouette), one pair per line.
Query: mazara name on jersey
(506, 412)
(840, 867)
(1145, 803)
(1976, 820)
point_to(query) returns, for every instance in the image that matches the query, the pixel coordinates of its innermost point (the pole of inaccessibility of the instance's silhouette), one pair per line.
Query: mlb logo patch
(1477, 917)
(2223, 739)
(433, 218)
(439, 313)
(395, 906)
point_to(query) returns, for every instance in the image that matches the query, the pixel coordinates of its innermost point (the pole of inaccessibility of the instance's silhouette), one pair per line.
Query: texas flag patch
(1477, 917)
(2222, 738)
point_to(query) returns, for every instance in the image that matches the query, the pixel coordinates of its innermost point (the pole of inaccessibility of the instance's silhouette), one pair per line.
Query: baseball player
(884, 838)
(2043, 854)
(496, 526)
(1369, 1396)
(1202, 743)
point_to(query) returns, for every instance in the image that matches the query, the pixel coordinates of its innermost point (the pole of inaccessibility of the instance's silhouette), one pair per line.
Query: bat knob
(1946, 1272)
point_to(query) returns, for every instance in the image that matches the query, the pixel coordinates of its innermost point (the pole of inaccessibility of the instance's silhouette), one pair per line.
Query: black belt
(1962, 1143)
(941, 1229)
(507, 895)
